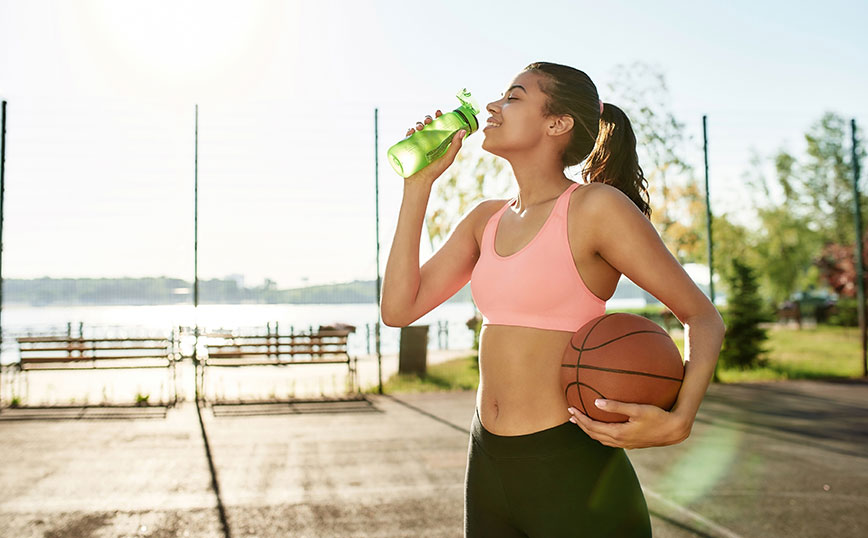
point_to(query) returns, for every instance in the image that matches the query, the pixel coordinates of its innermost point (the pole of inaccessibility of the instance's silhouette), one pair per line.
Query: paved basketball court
(780, 459)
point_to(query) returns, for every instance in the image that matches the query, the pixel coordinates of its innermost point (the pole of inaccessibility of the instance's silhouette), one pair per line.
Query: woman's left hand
(647, 426)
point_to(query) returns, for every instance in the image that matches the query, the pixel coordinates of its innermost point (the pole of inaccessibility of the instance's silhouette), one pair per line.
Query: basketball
(622, 357)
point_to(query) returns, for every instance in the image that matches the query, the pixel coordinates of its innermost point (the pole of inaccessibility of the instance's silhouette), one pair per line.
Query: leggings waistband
(566, 437)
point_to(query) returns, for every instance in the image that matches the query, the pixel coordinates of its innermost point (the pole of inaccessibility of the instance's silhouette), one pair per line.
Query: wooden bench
(325, 345)
(78, 353)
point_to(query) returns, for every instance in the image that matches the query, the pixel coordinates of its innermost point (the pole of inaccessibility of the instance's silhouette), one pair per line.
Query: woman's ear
(561, 125)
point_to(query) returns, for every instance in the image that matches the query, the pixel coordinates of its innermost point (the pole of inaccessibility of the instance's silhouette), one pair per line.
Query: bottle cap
(469, 108)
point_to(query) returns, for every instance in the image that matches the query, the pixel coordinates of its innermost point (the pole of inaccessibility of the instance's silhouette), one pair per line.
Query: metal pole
(196, 251)
(708, 210)
(715, 377)
(2, 191)
(377, 219)
(860, 264)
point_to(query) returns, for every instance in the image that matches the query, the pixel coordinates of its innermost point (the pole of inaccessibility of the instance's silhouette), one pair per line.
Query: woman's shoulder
(490, 204)
(483, 211)
(488, 207)
(597, 196)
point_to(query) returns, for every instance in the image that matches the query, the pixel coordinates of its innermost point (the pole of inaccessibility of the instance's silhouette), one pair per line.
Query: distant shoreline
(164, 291)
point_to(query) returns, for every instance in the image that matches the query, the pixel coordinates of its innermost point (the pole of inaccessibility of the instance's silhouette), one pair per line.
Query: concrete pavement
(774, 459)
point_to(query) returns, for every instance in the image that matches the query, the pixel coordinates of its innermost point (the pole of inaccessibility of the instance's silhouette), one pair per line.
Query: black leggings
(553, 483)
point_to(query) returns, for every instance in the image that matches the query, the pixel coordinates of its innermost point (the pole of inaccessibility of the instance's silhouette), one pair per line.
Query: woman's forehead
(527, 80)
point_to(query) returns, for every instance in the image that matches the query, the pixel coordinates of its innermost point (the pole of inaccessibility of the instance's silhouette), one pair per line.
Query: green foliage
(787, 246)
(846, 314)
(142, 399)
(825, 179)
(742, 345)
(663, 145)
(807, 204)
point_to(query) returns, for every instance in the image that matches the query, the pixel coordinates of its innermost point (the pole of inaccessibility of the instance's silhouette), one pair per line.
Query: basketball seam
(579, 361)
(617, 371)
(615, 339)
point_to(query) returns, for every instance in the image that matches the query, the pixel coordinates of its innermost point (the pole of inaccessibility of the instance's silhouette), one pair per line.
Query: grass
(457, 374)
(822, 352)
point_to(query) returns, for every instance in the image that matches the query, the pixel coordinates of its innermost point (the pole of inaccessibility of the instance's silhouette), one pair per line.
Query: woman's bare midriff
(519, 384)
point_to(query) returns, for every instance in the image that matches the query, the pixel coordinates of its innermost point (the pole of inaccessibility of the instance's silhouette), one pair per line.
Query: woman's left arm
(627, 241)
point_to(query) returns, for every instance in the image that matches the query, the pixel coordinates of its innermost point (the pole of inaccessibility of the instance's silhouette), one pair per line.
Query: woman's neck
(538, 184)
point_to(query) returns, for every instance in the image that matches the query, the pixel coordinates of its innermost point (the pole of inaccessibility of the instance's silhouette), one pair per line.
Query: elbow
(721, 322)
(391, 319)
(710, 317)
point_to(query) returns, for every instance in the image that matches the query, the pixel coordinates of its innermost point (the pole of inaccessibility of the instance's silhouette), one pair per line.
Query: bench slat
(38, 339)
(263, 342)
(290, 352)
(224, 362)
(295, 351)
(91, 348)
(66, 358)
(36, 367)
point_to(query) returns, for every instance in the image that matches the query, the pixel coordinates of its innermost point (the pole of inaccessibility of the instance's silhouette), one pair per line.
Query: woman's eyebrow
(519, 86)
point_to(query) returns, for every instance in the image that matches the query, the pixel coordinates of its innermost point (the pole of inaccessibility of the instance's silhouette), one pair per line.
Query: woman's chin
(490, 148)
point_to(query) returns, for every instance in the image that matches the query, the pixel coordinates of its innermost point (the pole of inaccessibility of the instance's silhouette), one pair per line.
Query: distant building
(238, 278)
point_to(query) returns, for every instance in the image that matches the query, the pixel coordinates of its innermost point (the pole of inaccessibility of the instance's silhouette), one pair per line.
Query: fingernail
(573, 420)
(463, 132)
(600, 403)
(571, 410)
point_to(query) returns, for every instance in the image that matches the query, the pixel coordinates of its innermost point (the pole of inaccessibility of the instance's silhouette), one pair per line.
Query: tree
(827, 177)
(837, 265)
(817, 189)
(808, 204)
(678, 207)
(742, 345)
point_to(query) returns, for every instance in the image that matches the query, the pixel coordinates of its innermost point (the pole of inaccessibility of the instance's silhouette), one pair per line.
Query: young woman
(541, 265)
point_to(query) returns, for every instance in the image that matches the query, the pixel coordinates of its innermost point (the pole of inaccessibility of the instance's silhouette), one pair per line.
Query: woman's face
(516, 122)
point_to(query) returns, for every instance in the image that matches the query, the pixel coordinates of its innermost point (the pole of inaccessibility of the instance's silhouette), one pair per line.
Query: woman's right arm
(408, 291)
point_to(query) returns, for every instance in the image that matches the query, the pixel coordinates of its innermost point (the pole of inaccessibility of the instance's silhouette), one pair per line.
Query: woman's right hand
(431, 172)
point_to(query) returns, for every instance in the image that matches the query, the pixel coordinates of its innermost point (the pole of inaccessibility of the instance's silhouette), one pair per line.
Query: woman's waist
(520, 388)
(510, 410)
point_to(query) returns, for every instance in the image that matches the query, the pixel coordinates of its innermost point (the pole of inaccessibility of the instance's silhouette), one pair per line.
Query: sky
(102, 97)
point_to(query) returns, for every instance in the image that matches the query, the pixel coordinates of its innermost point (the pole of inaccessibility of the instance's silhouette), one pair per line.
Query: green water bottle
(423, 147)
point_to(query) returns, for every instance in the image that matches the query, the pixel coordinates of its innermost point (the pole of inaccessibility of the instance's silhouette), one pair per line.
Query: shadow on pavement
(781, 412)
(84, 412)
(352, 404)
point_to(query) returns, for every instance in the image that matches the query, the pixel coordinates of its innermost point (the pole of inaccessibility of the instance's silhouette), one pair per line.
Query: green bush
(845, 313)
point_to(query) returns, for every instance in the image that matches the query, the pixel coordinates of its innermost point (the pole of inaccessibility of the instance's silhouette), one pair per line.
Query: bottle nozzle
(465, 97)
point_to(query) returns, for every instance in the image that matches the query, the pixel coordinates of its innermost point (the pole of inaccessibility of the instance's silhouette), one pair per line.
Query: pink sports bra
(538, 286)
